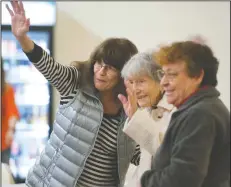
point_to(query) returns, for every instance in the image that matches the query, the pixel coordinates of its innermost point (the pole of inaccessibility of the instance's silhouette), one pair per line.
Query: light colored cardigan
(161, 117)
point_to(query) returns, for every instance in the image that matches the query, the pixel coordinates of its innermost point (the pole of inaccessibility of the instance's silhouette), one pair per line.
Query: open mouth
(168, 92)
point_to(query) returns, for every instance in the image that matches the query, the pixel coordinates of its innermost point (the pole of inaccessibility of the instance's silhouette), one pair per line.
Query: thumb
(27, 23)
(122, 99)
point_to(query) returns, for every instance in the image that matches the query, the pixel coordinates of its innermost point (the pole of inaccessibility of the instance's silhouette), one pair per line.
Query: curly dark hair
(196, 56)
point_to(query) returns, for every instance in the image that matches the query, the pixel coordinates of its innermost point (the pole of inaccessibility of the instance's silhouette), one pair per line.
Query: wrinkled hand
(19, 23)
(130, 103)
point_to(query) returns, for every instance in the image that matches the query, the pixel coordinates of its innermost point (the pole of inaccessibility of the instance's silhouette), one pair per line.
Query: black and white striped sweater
(101, 166)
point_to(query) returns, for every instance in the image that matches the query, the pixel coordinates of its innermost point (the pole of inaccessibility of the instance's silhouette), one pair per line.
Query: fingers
(27, 22)
(132, 102)
(122, 99)
(9, 10)
(131, 96)
(18, 10)
(21, 7)
(15, 6)
(26, 25)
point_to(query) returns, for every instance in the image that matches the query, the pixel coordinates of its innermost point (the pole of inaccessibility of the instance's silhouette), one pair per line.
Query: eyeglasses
(168, 75)
(138, 83)
(108, 68)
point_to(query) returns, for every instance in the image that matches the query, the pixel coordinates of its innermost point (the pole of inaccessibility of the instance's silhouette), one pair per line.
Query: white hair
(141, 64)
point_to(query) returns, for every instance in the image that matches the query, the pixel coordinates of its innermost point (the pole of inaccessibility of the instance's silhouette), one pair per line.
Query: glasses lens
(160, 74)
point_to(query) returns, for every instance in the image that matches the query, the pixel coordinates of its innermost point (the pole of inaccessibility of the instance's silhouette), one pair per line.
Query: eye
(172, 74)
(130, 82)
(141, 81)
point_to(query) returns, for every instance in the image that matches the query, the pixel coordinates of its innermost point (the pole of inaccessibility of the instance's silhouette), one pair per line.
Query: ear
(200, 77)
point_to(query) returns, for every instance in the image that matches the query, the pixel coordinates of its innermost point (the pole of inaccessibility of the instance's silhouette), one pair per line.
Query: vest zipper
(118, 135)
(93, 144)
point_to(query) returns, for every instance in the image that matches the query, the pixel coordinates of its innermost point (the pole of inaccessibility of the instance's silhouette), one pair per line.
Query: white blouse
(159, 118)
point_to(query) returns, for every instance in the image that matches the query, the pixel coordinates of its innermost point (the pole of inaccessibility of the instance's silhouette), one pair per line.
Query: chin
(100, 88)
(170, 100)
(143, 104)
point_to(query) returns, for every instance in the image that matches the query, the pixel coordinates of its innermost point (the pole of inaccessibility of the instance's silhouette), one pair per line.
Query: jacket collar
(164, 104)
(201, 94)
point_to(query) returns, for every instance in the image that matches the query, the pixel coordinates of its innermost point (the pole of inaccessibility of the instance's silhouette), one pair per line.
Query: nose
(136, 88)
(164, 81)
(102, 70)
(138, 92)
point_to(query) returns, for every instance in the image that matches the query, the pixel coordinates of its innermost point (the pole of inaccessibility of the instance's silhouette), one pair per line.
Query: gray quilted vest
(72, 140)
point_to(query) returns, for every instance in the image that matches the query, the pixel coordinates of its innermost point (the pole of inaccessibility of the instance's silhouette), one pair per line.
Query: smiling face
(106, 77)
(177, 84)
(147, 90)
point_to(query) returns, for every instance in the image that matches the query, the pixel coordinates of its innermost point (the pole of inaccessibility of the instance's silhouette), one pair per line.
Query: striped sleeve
(136, 156)
(63, 78)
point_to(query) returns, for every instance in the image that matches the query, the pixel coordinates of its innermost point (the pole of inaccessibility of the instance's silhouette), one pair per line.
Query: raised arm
(64, 78)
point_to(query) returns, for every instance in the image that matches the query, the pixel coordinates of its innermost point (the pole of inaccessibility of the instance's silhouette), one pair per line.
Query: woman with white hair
(145, 94)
